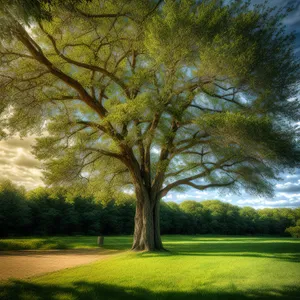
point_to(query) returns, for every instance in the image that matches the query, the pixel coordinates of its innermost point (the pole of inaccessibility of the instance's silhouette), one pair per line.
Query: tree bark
(147, 225)
(157, 237)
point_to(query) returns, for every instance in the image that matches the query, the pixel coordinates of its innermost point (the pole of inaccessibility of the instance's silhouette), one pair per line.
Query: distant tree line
(49, 211)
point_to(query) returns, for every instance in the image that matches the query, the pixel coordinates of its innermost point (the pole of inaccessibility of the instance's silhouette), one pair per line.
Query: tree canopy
(153, 96)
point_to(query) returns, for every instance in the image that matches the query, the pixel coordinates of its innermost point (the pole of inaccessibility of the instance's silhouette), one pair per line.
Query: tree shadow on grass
(282, 251)
(225, 238)
(295, 258)
(82, 290)
(236, 247)
(286, 249)
(242, 239)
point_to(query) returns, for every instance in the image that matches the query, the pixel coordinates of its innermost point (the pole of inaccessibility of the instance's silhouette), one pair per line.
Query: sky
(19, 165)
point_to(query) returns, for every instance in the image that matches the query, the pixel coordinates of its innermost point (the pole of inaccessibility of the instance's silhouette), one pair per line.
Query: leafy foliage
(152, 95)
(294, 230)
(15, 213)
(45, 211)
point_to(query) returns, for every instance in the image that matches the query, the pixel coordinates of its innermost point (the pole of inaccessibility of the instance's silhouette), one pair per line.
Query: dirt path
(22, 264)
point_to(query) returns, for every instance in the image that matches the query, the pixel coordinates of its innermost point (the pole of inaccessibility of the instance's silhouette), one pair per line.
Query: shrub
(294, 231)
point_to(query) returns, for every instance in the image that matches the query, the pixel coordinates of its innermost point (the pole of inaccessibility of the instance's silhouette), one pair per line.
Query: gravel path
(27, 263)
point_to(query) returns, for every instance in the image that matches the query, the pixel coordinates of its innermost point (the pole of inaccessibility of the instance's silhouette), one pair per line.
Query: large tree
(152, 96)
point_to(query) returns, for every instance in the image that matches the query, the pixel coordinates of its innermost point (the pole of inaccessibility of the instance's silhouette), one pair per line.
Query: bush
(294, 231)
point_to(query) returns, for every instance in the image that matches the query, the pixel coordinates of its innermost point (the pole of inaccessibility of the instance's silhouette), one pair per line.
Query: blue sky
(18, 164)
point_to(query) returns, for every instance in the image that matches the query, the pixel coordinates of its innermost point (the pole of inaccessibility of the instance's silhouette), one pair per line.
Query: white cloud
(250, 201)
(227, 200)
(288, 187)
(18, 164)
(201, 193)
(184, 196)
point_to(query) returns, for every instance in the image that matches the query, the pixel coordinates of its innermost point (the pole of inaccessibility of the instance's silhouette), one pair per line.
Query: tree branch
(92, 125)
(86, 66)
(103, 16)
(205, 108)
(40, 57)
(204, 187)
(187, 180)
(105, 152)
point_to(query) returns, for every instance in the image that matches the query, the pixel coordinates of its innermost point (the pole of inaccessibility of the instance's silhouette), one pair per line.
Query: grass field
(52, 242)
(64, 242)
(196, 267)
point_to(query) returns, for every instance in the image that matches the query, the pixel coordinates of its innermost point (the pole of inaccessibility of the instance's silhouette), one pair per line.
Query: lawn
(196, 267)
(64, 242)
(52, 242)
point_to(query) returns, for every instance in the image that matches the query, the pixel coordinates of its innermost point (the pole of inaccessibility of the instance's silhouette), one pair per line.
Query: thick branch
(105, 152)
(40, 57)
(92, 125)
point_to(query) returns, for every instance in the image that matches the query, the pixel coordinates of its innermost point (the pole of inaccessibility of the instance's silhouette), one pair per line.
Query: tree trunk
(147, 225)
(157, 238)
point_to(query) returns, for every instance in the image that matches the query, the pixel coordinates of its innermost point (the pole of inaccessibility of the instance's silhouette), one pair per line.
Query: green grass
(57, 242)
(63, 242)
(197, 267)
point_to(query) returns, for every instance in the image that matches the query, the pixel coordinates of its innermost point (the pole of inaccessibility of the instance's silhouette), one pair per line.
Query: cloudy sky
(18, 164)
